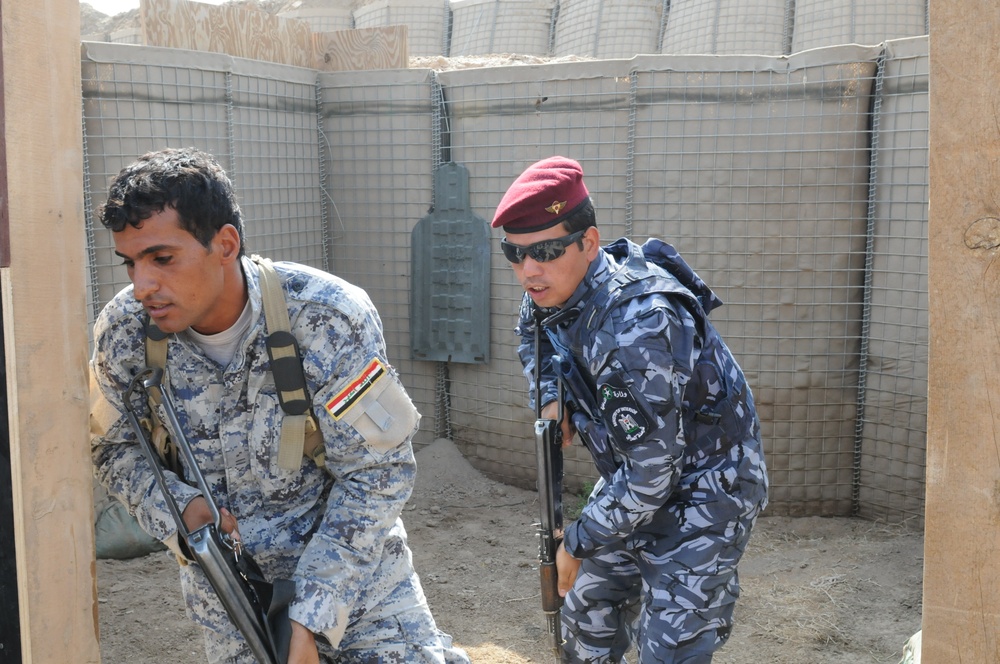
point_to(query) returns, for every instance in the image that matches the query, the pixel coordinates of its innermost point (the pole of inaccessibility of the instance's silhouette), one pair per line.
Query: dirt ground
(815, 590)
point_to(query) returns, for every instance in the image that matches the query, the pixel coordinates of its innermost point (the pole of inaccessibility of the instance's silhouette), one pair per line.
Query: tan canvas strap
(156, 357)
(314, 448)
(300, 433)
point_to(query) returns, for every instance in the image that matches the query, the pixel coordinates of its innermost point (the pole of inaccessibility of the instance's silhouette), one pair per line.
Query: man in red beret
(663, 408)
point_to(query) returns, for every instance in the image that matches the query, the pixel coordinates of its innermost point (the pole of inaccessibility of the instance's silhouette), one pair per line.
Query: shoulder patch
(355, 389)
(626, 420)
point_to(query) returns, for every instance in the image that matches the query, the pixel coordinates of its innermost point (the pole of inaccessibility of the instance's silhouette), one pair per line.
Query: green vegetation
(573, 503)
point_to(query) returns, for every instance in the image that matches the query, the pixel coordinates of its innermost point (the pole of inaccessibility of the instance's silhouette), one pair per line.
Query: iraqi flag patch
(355, 389)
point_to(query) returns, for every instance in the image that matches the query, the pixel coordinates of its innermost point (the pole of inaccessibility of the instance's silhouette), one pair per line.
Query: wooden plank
(4, 212)
(961, 590)
(10, 620)
(43, 296)
(242, 33)
(364, 48)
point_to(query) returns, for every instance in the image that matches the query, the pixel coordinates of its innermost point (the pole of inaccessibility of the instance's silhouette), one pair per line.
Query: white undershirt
(222, 346)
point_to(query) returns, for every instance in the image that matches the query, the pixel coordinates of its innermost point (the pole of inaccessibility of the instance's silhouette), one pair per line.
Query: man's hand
(550, 411)
(197, 514)
(302, 649)
(568, 567)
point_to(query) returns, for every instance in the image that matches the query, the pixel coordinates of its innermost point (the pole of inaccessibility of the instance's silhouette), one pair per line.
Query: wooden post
(43, 297)
(961, 606)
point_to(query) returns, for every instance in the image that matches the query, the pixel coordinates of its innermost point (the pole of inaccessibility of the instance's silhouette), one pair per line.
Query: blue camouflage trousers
(605, 634)
(671, 596)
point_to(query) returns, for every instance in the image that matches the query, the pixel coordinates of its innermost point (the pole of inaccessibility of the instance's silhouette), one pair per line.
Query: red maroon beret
(542, 196)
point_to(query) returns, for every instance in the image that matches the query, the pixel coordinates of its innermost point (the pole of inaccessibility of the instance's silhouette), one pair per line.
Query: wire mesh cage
(795, 185)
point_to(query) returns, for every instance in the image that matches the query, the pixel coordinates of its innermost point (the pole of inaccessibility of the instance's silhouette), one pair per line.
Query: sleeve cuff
(333, 635)
(572, 543)
(174, 544)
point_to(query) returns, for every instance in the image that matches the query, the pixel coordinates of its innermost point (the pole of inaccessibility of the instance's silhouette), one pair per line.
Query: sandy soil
(815, 590)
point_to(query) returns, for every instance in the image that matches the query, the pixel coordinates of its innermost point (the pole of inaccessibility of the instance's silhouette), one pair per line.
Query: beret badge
(556, 207)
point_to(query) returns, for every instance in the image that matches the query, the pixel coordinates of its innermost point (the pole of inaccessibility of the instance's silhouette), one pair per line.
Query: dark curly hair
(185, 179)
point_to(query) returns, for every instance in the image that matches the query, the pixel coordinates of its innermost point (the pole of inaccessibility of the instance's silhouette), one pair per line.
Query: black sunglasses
(544, 251)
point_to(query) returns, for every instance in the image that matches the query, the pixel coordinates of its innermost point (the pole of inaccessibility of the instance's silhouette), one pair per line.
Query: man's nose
(144, 283)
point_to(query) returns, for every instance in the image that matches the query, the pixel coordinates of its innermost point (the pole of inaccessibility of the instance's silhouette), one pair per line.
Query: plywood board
(961, 590)
(239, 32)
(44, 319)
(362, 48)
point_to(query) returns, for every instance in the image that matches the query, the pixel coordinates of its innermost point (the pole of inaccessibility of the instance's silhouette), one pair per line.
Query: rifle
(257, 608)
(548, 447)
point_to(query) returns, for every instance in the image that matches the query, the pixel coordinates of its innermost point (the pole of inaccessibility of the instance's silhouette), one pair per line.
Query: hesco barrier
(623, 28)
(795, 185)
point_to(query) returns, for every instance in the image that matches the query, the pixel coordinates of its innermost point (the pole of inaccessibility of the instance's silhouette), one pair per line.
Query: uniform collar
(252, 276)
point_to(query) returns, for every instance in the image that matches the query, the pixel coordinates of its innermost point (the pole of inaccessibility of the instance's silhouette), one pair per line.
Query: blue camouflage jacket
(653, 390)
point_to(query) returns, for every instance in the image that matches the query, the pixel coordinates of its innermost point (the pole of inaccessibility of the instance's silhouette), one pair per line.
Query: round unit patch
(626, 420)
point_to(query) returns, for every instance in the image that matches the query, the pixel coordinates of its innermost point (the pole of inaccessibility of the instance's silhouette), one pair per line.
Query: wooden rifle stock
(548, 447)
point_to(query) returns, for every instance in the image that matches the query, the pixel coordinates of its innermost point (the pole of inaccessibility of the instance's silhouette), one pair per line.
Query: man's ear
(592, 242)
(228, 242)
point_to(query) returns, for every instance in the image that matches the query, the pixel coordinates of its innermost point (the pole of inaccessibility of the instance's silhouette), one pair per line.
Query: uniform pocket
(696, 592)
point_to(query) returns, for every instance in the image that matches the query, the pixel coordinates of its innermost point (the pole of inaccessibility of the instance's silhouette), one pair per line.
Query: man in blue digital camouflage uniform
(336, 533)
(663, 408)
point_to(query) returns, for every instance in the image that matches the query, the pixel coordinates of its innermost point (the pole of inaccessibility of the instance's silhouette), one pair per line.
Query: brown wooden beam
(43, 294)
(4, 210)
(961, 605)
